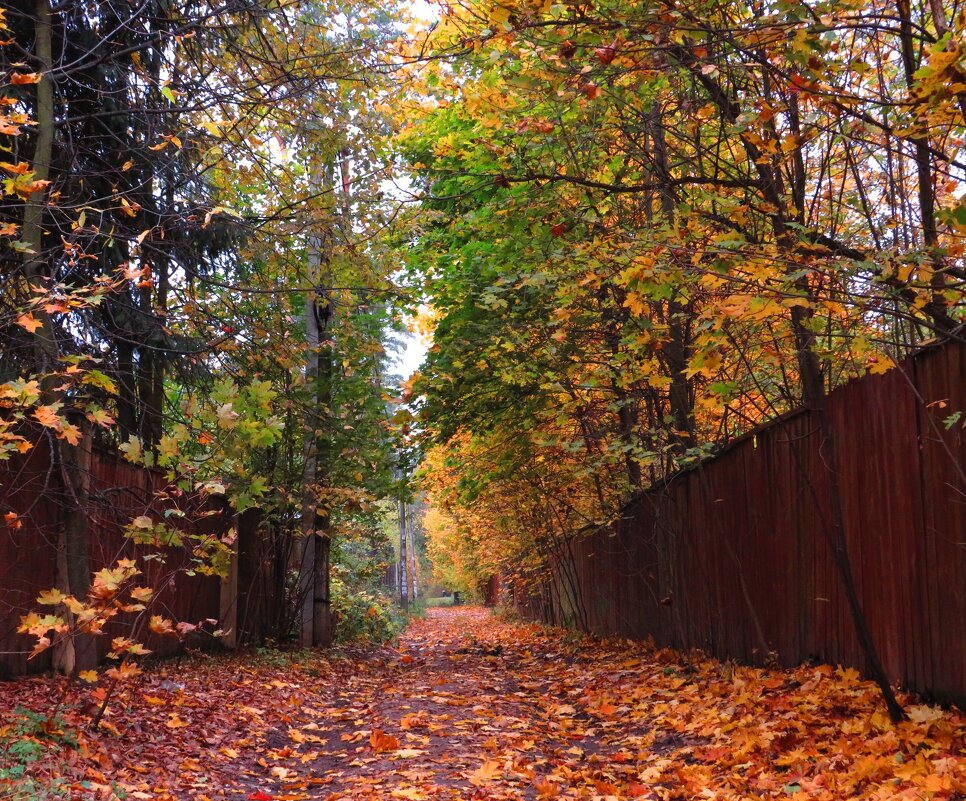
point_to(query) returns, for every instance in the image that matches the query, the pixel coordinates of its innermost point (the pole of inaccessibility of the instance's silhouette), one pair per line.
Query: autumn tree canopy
(648, 228)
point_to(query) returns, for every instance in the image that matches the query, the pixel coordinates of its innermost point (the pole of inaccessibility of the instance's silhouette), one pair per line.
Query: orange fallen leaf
(485, 773)
(381, 742)
(414, 720)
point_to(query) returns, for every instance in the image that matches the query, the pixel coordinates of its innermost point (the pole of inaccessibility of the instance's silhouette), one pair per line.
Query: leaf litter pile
(470, 707)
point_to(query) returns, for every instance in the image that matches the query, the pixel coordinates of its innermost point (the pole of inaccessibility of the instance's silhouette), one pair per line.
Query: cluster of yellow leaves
(112, 593)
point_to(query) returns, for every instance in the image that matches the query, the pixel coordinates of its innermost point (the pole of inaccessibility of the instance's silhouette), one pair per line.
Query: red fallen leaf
(258, 795)
(713, 754)
(635, 790)
(381, 742)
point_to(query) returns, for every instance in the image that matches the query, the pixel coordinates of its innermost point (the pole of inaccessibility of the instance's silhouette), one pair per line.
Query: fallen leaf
(382, 742)
(486, 773)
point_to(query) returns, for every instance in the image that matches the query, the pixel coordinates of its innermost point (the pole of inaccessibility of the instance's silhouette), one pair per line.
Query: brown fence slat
(119, 491)
(734, 555)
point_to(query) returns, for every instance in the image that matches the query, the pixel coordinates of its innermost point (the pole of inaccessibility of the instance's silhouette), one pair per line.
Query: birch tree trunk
(403, 561)
(413, 576)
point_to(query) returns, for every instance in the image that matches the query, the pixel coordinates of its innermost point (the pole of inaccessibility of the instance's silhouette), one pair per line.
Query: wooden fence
(733, 557)
(119, 492)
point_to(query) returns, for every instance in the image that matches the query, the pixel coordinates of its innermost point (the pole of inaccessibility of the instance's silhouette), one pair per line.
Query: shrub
(363, 614)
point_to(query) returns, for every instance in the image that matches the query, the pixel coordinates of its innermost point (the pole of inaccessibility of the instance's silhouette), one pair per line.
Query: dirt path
(469, 707)
(456, 714)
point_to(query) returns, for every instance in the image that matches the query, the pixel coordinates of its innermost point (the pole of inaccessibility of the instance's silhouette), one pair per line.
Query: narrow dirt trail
(462, 710)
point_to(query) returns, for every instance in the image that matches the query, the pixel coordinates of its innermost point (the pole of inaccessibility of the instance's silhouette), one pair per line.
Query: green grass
(446, 600)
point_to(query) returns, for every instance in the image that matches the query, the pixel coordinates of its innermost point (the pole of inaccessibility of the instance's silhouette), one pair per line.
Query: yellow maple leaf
(412, 793)
(71, 433)
(881, 363)
(925, 714)
(487, 772)
(50, 597)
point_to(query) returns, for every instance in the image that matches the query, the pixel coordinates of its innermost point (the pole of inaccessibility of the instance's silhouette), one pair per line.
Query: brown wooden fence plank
(119, 491)
(761, 512)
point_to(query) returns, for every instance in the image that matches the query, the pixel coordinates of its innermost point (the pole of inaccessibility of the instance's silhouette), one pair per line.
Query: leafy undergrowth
(470, 707)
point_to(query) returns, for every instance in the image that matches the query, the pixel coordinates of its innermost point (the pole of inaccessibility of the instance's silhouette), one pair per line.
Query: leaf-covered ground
(469, 707)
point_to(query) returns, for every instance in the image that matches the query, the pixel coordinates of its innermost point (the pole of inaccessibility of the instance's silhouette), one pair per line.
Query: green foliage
(26, 738)
(364, 614)
(436, 603)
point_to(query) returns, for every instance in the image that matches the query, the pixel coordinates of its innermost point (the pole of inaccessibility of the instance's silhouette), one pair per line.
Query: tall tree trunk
(937, 306)
(403, 560)
(314, 587)
(677, 349)
(413, 573)
(71, 463)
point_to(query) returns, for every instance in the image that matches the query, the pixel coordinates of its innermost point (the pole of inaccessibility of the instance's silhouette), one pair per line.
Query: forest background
(635, 231)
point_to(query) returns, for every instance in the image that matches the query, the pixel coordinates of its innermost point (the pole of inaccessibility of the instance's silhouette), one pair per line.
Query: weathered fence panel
(733, 556)
(119, 491)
